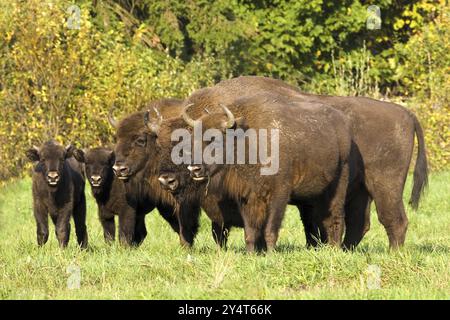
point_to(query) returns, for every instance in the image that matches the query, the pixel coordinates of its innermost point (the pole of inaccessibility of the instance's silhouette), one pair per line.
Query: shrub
(59, 83)
(424, 74)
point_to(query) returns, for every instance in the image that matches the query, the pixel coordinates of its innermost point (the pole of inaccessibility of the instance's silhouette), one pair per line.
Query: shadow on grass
(290, 247)
(370, 248)
(430, 248)
(423, 248)
(240, 249)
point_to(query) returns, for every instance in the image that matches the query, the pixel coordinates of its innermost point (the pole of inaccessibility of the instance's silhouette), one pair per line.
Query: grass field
(160, 269)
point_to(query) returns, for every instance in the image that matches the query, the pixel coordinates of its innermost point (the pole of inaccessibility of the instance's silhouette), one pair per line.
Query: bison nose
(52, 177)
(168, 181)
(96, 179)
(194, 169)
(196, 172)
(53, 174)
(120, 170)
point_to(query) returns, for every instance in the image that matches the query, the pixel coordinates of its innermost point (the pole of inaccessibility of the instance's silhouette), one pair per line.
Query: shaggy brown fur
(58, 191)
(315, 145)
(383, 136)
(135, 154)
(109, 193)
(383, 141)
(220, 208)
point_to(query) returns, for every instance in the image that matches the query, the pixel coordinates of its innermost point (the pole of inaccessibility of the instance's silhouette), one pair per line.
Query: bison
(220, 208)
(135, 154)
(383, 139)
(58, 191)
(110, 195)
(314, 156)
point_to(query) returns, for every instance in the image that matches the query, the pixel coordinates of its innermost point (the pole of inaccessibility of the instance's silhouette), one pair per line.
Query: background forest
(61, 69)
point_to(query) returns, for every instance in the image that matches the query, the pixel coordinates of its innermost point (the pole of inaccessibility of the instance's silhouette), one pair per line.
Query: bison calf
(110, 194)
(58, 190)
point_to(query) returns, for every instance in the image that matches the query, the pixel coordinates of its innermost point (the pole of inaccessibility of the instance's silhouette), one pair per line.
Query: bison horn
(186, 118)
(111, 120)
(231, 122)
(155, 124)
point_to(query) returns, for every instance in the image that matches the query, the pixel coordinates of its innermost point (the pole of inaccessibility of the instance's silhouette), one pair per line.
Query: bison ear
(112, 158)
(238, 123)
(33, 154)
(69, 151)
(78, 154)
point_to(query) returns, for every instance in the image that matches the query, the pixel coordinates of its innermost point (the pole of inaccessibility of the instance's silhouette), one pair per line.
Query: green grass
(160, 269)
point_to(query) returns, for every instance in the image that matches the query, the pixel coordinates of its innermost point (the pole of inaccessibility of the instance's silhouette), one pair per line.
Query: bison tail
(421, 167)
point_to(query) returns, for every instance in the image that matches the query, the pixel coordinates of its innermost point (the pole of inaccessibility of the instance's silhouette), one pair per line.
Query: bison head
(176, 177)
(50, 160)
(135, 143)
(220, 121)
(173, 176)
(98, 163)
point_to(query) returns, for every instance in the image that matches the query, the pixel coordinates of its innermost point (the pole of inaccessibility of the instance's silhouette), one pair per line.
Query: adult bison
(58, 191)
(135, 154)
(383, 136)
(313, 164)
(110, 194)
(221, 209)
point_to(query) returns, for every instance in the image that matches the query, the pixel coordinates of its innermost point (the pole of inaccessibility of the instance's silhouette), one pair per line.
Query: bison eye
(141, 142)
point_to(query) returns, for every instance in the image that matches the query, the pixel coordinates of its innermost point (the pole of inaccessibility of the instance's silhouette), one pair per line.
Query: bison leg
(391, 214)
(357, 218)
(275, 216)
(254, 215)
(220, 234)
(41, 216)
(168, 213)
(189, 222)
(79, 218)
(185, 222)
(251, 238)
(127, 224)
(334, 223)
(312, 230)
(140, 231)
(109, 228)
(62, 228)
(261, 244)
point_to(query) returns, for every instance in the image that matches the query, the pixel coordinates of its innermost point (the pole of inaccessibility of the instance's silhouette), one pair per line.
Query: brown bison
(383, 139)
(58, 191)
(220, 208)
(109, 193)
(135, 154)
(314, 150)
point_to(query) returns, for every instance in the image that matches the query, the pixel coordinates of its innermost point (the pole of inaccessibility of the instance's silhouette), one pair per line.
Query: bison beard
(58, 190)
(220, 208)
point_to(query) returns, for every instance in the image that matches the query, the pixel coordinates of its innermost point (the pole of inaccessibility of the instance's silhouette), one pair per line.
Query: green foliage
(424, 73)
(58, 82)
